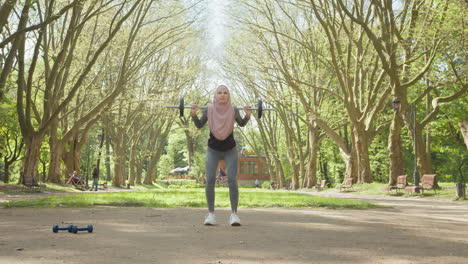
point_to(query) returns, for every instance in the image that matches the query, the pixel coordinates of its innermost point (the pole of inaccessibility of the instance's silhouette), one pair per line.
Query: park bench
(401, 184)
(320, 186)
(347, 184)
(429, 182)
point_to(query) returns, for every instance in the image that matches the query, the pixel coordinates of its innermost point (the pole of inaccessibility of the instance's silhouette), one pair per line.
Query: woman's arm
(202, 121)
(241, 121)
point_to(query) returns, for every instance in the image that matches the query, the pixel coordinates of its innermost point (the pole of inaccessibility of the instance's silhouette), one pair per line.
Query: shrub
(266, 184)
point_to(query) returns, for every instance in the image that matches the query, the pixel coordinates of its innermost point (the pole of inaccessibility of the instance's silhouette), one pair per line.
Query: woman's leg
(212, 159)
(231, 159)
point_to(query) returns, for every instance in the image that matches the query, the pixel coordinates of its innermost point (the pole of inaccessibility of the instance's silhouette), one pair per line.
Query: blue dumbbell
(75, 229)
(56, 228)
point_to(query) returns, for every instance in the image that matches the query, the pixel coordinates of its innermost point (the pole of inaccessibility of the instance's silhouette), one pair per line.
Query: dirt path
(410, 231)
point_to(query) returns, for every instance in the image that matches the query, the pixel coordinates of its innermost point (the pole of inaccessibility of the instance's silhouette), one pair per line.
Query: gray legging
(212, 159)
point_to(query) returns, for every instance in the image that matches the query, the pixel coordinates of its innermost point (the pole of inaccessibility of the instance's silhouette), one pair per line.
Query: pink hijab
(221, 116)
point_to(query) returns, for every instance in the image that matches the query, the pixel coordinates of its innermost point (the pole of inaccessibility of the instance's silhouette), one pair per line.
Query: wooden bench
(347, 184)
(429, 182)
(320, 186)
(401, 184)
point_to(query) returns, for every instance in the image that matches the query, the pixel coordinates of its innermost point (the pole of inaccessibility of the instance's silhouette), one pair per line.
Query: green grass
(180, 198)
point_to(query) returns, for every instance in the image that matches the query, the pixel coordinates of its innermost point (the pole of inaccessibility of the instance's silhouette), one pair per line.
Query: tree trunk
(158, 134)
(139, 170)
(323, 166)
(72, 161)
(190, 146)
(6, 175)
(107, 160)
(362, 151)
(428, 131)
(279, 175)
(119, 155)
(313, 157)
(43, 175)
(132, 165)
(29, 172)
(424, 166)
(460, 190)
(151, 172)
(56, 152)
(5, 10)
(302, 174)
(290, 151)
(463, 124)
(395, 150)
(350, 161)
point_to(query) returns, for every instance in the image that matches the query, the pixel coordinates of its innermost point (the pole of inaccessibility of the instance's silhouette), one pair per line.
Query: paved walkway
(432, 208)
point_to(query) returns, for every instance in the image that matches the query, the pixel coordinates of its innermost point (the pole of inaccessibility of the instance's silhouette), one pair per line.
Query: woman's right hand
(194, 110)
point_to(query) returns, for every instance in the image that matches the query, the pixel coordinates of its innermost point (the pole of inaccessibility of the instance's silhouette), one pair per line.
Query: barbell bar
(259, 107)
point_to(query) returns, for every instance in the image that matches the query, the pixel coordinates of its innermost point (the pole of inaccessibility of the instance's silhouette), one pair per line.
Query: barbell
(182, 106)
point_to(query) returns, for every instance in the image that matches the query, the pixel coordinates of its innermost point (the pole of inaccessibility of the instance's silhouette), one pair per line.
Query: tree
(341, 70)
(11, 142)
(406, 53)
(13, 37)
(55, 72)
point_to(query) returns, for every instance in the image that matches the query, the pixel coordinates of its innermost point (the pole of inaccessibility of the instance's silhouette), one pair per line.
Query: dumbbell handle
(56, 228)
(205, 107)
(82, 228)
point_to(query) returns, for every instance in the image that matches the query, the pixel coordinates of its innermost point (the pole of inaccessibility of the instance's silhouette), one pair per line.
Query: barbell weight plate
(181, 106)
(260, 108)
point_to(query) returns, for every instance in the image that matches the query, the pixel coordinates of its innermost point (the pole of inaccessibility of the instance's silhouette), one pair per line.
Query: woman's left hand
(248, 110)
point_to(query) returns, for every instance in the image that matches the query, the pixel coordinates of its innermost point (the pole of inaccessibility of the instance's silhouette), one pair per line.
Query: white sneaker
(234, 220)
(210, 219)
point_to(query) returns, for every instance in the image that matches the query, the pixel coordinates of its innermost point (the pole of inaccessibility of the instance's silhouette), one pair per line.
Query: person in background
(95, 178)
(221, 173)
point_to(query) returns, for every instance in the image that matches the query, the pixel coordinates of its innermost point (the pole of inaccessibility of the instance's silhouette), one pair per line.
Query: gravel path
(408, 230)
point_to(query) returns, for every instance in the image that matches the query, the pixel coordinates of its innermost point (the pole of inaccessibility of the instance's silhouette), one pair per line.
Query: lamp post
(101, 141)
(415, 172)
(396, 106)
(87, 166)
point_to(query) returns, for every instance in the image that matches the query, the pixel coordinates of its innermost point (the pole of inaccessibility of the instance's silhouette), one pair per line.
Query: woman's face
(222, 96)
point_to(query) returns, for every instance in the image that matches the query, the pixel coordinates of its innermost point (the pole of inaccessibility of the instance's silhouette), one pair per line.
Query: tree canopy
(85, 81)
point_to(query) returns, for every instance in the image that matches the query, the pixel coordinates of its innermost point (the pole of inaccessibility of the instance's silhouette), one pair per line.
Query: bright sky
(215, 37)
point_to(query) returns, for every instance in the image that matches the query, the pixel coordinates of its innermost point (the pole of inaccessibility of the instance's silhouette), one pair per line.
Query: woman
(221, 145)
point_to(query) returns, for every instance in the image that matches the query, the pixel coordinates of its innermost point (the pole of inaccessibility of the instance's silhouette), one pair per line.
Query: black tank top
(221, 145)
